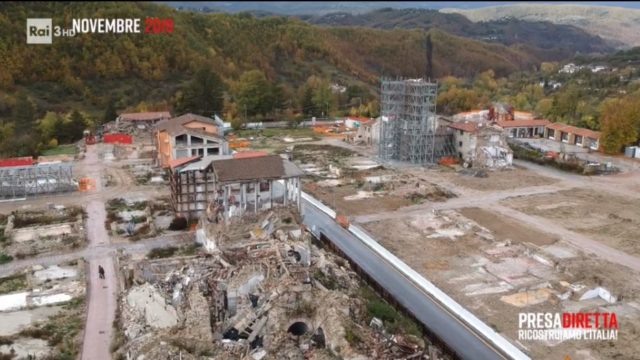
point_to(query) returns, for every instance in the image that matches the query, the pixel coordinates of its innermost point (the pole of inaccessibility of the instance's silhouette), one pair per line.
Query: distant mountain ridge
(567, 40)
(620, 26)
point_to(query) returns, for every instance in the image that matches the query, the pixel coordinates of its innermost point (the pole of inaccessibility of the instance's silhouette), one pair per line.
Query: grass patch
(394, 320)
(120, 204)
(538, 157)
(13, 283)
(160, 253)
(326, 281)
(294, 132)
(28, 218)
(4, 258)
(169, 251)
(306, 153)
(352, 336)
(62, 331)
(70, 149)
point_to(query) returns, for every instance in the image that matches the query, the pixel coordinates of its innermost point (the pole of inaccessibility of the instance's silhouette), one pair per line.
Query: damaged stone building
(255, 183)
(232, 184)
(481, 144)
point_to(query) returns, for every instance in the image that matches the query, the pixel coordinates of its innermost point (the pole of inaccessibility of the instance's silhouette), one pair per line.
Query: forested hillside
(544, 38)
(294, 62)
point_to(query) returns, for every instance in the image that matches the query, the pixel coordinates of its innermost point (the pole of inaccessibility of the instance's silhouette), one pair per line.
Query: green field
(295, 132)
(70, 149)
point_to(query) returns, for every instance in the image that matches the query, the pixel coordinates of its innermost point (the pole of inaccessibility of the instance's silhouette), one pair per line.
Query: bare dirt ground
(607, 218)
(497, 180)
(334, 196)
(507, 228)
(477, 269)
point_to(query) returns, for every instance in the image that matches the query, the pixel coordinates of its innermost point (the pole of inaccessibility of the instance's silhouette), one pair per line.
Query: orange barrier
(86, 184)
(117, 139)
(551, 155)
(343, 221)
(17, 161)
(239, 144)
(448, 161)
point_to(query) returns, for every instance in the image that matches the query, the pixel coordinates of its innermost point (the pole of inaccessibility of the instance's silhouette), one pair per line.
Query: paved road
(444, 325)
(102, 293)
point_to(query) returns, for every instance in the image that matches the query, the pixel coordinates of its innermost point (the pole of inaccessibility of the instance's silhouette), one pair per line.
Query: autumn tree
(254, 93)
(620, 123)
(202, 95)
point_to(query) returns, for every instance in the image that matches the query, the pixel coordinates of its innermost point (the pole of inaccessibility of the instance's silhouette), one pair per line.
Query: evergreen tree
(76, 126)
(23, 113)
(110, 113)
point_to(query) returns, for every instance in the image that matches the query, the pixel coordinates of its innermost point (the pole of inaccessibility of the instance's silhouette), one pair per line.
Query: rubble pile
(268, 291)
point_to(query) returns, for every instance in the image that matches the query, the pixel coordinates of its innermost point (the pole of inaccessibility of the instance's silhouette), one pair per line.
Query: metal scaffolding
(408, 128)
(23, 181)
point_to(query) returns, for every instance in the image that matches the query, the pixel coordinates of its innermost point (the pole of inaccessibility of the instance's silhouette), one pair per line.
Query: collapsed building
(267, 292)
(482, 145)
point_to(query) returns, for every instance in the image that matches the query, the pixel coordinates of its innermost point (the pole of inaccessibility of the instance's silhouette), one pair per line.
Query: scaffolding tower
(408, 128)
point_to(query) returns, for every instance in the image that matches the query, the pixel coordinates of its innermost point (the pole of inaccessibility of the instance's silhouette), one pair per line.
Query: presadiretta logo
(558, 327)
(39, 31)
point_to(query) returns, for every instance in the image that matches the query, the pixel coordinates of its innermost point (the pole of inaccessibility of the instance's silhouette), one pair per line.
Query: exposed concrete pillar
(298, 193)
(286, 192)
(270, 194)
(226, 202)
(243, 196)
(255, 204)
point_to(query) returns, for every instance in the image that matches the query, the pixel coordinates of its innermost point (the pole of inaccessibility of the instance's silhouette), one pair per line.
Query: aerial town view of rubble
(321, 180)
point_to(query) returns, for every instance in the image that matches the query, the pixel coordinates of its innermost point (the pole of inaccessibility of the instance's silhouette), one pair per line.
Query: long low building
(524, 125)
(524, 128)
(573, 135)
(144, 118)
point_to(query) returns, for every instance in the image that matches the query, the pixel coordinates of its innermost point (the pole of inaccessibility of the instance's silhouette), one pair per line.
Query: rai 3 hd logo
(39, 31)
(42, 31)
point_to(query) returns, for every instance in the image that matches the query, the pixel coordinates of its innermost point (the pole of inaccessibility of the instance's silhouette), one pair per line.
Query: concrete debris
(26, 348)
(528, 298)
(151, 305)
(51, 299)
(54, 273)
(600, 292)
(13, 301)
(258, 354)
(266, 292)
